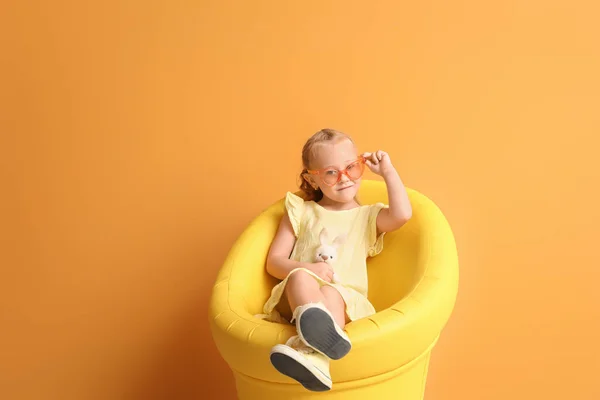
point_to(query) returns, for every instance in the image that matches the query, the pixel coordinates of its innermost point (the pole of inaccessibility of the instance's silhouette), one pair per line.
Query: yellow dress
(359, 224)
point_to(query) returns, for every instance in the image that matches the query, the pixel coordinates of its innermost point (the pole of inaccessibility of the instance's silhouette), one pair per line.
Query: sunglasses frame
(361, 160)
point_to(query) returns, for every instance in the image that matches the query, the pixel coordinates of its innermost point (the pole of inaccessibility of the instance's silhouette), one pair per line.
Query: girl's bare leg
(302, 288)
(335, 304)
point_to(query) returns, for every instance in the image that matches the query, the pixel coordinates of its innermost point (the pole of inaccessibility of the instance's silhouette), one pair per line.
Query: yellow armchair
(412, 284)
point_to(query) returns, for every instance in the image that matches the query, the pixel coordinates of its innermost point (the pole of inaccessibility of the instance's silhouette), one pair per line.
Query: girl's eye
(351, 166)
(331, 172)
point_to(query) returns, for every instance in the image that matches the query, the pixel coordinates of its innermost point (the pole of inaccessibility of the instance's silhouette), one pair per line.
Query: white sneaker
(303, 364)
(318, 329)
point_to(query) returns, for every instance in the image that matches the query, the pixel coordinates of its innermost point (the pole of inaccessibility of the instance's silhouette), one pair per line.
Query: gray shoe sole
(292, 368)
(318, 330)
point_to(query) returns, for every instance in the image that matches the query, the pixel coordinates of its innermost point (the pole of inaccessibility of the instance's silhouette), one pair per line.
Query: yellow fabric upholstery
(412, 284)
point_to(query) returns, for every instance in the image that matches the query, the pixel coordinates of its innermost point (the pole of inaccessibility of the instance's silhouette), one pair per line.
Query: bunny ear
(323, 236)
(340, 240)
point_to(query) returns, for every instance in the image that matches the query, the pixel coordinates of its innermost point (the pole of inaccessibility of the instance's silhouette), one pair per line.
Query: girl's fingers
(373, 159)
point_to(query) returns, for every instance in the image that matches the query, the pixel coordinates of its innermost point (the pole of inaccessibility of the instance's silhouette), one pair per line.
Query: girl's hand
(379, 162)
(323, 270)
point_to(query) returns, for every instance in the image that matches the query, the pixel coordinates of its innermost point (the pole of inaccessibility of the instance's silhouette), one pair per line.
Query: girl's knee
(301, 278)
(328, 289)
(331, 293)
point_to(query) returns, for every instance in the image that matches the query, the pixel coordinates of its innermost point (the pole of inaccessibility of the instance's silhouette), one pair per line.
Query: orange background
(138, 139)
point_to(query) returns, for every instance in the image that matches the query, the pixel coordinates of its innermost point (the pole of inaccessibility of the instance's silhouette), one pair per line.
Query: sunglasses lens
(355, 170)
(330, 177)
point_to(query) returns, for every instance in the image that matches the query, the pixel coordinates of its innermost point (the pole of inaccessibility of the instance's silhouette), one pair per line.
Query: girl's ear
(323, 237)
(340, 240)
(311, 180)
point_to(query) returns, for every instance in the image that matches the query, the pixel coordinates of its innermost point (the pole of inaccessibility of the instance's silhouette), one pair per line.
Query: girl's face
(336, 155)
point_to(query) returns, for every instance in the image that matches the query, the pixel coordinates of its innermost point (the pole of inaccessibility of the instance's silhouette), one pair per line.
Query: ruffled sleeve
(374, 242)
(295, 209)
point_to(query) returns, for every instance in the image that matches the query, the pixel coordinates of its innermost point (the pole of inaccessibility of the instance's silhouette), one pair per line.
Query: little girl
(308, 293)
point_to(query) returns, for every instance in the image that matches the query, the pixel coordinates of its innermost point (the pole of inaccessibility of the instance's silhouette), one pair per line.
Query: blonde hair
(308, 153)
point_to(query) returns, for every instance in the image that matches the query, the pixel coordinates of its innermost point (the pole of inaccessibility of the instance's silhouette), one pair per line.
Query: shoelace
(295, 343)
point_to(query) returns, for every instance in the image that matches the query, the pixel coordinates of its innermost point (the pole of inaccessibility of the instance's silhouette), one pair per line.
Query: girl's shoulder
(295, 202)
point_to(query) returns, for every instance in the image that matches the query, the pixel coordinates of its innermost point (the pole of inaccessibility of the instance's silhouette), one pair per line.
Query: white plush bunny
(327, 252)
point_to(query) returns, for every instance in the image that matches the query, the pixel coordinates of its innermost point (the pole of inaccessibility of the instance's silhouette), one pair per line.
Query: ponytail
(309, 192)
